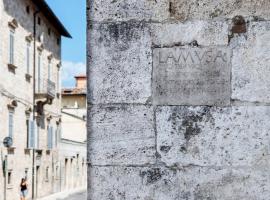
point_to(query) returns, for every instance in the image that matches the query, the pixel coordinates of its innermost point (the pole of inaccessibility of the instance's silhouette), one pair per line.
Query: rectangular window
(28, 58)
(32, 134)
(27, 133)
(57, 131)
(47, 173)
(10, 124)
(49, 70)
(39, 72)
(58, 81)
(49, 137)
(11, 47)
(37, 138)
(9, 179)
(26, 173)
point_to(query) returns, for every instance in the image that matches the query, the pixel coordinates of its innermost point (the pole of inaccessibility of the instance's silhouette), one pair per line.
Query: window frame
(11, 46)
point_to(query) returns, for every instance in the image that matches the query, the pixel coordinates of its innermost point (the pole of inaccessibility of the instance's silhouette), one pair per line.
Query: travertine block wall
(178, 100)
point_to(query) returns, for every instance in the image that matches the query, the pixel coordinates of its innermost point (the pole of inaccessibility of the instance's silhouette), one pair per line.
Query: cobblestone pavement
(78, 196)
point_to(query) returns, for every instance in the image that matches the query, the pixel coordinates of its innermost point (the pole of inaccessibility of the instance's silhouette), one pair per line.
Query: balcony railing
(45, 88)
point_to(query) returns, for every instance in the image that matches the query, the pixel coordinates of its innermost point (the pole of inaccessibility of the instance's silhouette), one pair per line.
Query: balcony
(45, 88)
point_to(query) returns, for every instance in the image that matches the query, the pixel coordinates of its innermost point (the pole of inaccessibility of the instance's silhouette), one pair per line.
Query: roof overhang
(52, 18)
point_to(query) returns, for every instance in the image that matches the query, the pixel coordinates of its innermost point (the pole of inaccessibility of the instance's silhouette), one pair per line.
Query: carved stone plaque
(191, 76)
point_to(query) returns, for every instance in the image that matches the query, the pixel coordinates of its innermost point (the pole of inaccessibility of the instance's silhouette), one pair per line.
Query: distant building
(72, 149)
(32, 118)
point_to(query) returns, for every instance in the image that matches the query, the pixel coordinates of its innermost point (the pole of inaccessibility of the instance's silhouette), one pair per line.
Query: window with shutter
(28, 57)
(49, 70)
(49, 137)
(32, 134)
(11, 47)
(10, 124)
(39, 72)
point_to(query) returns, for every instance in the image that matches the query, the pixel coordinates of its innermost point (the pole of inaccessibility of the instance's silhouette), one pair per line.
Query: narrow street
(78, 196)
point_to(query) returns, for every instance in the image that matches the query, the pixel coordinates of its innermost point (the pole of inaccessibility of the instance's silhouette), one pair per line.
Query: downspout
(34, 106)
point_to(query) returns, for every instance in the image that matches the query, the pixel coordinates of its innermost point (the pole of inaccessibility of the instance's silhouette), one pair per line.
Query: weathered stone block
(209, 136)
(206, 33)
(208, 9)
(194, 183)
(121, 67)
(250, 64)
(191, 76)
(121, 135)
(119, 10)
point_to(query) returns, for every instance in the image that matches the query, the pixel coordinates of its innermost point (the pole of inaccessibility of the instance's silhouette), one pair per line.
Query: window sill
(39, 152)
(28, 77)
(12, 67)
(11, 150)
(27, 150)
(48, 151)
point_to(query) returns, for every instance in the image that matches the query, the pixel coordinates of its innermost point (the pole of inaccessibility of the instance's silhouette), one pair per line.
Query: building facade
(30, 41)
(179, 99)
(72, 147)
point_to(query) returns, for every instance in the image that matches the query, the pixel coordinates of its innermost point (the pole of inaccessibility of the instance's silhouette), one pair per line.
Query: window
(56, 135)
(27, 9)
(47, 174)
(30, 142)
(28, 57)
(49, 137)
(57, 172)
(49, 31)
(49, 69)
(11, 47)
(39, 21)
(27, 133)
(58, 41)
(58, 80)
(10, 123)
(26, 173)
(37, 138)
(39, 72)
(9, 177)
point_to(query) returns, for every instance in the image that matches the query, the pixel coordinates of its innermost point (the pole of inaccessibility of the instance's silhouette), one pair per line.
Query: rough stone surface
(162, 10)
(121, 70)
(208, 9)
(122, 135)
(250, 64)
(120, 10)
(194, 183)
(210, 136)
(179, 99)
(191, 76)
(175, 33)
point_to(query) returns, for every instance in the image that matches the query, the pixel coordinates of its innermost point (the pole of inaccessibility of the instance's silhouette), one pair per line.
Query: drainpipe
(34, 106)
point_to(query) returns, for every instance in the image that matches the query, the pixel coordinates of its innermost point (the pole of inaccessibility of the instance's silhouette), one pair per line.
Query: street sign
(8, 142)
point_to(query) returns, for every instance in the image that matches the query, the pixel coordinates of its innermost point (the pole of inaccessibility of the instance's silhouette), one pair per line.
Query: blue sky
(72, 15)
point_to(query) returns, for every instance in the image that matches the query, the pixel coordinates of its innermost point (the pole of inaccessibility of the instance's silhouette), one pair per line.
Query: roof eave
(49, 14)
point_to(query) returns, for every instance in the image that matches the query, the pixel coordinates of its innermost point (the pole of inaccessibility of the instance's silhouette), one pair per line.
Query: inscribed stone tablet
(191, 76)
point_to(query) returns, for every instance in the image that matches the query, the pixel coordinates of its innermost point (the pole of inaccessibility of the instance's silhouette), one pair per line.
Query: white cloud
(69, 70)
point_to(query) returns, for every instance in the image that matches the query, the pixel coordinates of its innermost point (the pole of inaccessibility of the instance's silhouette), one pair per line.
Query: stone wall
(178, 100)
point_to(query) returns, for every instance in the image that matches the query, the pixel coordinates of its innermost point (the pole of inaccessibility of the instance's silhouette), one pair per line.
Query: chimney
(80, 81)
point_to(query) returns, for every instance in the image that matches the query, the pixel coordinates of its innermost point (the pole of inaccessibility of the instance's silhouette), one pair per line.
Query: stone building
(72, 146)
(35, 139)
(179, 100)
